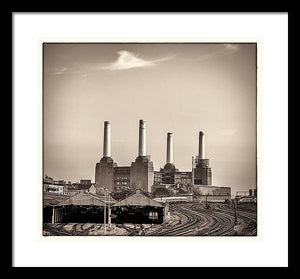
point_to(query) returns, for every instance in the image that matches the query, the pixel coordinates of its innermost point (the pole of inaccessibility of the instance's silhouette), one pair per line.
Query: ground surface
(185, 219)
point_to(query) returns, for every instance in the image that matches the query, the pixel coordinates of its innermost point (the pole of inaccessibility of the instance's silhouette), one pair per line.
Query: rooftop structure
(137, 199)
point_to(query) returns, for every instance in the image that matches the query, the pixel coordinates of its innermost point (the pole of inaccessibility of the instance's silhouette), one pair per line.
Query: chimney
(170, 148)
(142, 138)
(201, 146)
(106, 141)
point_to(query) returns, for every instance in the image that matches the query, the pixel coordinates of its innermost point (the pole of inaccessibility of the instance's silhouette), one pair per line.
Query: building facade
(139, 175)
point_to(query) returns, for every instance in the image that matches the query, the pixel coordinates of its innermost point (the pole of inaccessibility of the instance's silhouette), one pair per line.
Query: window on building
(153, 215)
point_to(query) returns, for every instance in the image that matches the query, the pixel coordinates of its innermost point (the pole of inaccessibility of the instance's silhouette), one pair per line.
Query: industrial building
(201, 173)
(141, 175)
(138, 209)
(88, 201)
(212, 193)
(87, 207)
(137, 176)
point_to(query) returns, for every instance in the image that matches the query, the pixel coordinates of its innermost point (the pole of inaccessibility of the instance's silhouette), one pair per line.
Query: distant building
(121, 179)
(86, 182)
(48, 180)
(141, 175)
(202, 174)
(252, 192)
(60, 182)
(183, 178)
(83, 185)
(160, 190)
(157, 177)
(241, 193)
(137, 176)
(212, 193)
(57, 189)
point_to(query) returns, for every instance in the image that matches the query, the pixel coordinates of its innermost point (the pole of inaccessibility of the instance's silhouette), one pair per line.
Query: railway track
(223, 225)
(195, 220)
(56, 230)
(246, 214)
(199, 221)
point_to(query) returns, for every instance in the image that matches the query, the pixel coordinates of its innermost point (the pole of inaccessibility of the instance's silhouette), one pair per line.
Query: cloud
(231, 47)
(226, 49)
(128, 60)
(58, 71)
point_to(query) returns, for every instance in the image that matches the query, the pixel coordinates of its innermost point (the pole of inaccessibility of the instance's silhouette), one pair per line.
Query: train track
(187, 225)
(223, 225)
(58, 229)
(199, 221)
(195, 220)
(248, 215)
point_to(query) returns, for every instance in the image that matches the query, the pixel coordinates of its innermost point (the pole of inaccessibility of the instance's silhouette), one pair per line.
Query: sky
(177, 88)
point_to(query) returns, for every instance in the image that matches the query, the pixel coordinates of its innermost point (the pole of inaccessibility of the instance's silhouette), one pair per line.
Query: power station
(140, 175)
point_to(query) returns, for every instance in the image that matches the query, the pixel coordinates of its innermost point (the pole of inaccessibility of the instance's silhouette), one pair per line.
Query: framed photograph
(154, 134)
(198, 101)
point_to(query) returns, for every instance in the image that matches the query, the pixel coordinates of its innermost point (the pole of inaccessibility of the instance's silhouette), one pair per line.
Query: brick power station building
(140, 175)
(137, 176)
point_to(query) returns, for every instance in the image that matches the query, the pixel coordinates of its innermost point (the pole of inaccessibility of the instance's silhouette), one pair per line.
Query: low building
(121, 179)
(87, 182)
(212, 193)
(53, 188)
(48, 179)
(183, 178)
(82, 186)
(160, 192)
(252, 192)
(241, 193)
(157, 178)
(138, 209)
(80, 208)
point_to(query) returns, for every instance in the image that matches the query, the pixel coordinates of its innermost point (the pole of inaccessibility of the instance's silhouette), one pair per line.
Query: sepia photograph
(150, 139)
(159, 136)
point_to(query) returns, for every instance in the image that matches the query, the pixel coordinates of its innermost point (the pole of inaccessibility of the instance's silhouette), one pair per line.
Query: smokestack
(201, 146)
(170, 148)
(142, 138)
(106, 141)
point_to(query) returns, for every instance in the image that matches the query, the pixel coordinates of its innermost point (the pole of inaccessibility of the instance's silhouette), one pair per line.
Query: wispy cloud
(129, 60)
(232, 47)
(225, 49)
(58, 71)
(125, 61)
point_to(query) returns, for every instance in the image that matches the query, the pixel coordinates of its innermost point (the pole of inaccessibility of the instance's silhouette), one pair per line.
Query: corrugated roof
(51, 199)
(102, 198)
(138, 199)
(83, 198)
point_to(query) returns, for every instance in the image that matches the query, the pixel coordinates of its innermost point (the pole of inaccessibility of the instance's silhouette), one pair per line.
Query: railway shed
(138, 209)
(50, 200)
(80, 208)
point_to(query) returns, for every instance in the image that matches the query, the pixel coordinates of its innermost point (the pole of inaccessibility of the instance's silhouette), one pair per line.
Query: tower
(104, 172)
(202, 171)
(141, 170)
(169, 168)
